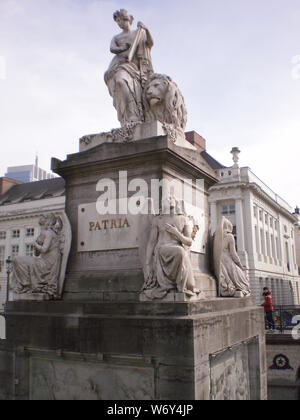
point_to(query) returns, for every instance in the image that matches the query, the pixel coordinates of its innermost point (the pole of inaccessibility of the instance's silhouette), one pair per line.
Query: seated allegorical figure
(168, 264)
(40, 273)
(233, 280)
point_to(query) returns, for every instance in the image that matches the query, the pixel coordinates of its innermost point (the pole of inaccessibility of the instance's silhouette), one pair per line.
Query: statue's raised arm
(130, 69)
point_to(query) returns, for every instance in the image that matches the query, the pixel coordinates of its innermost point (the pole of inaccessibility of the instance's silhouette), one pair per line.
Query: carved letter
(113, 224)
(105, 223)
(126, 223)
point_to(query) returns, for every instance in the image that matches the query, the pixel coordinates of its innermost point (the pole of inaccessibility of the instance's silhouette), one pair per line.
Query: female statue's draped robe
(134, 74)
(171, 261)
(232, 278)
(39, 274)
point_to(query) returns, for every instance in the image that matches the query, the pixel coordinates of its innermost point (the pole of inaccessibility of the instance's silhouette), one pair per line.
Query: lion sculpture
(164, 102)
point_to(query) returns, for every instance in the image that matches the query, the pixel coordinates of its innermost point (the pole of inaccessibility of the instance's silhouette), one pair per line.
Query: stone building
(264, 226)
(20, 209)
(297, 231)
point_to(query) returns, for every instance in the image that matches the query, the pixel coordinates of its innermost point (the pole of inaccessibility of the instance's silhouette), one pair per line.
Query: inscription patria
(109, 224)
(105, 232)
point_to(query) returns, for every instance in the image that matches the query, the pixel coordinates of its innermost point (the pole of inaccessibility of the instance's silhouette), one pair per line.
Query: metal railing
(283, 317)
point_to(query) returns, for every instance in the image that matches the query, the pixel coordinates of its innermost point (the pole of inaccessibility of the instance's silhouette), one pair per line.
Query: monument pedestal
(213, 349)
(100, 342)
(105, 263)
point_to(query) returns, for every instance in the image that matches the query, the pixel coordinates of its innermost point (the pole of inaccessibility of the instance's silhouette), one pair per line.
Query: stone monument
(232, 278)
(137, 314)
(42, 276)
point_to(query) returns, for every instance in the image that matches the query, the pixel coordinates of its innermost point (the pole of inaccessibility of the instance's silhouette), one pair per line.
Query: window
(2, 258)
(257, 240)
(30, 250)
(16, 234)
(287, 256)
(15, 250)
(29, 232)
(255, 212)
(266, 219)
(271, 223)
(278, 254)
(226, 210)
(260, 215)
(268, 244)
(263, 245)
(273, 247)
(2, 236)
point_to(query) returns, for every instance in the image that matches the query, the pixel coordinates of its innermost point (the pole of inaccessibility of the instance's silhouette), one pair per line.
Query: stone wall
(283, 360)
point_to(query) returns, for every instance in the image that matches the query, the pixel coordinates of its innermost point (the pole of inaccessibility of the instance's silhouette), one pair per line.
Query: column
(213, 217)
(21, 242)
(241, 232)
(281, 250)
(249, 230)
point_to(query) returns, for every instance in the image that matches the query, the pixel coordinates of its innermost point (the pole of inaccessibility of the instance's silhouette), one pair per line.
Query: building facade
(28, 173)
(264, 227)
(297, 232)
(20, 210)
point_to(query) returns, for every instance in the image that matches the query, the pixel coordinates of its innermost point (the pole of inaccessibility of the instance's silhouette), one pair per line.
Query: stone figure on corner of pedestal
(139, 94)
(165, 242)
(231, 275)
(41, 277)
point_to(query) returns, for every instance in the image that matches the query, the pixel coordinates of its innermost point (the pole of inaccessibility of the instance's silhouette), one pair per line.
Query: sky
(237, 63)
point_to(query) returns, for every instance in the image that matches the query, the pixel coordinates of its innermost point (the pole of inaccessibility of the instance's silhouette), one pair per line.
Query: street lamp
(8, 272)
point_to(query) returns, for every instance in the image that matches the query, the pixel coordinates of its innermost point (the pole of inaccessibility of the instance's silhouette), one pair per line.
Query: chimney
(196, 140)
(297, 211)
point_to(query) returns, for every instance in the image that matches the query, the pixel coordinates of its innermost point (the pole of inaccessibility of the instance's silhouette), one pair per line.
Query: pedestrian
(269, 309)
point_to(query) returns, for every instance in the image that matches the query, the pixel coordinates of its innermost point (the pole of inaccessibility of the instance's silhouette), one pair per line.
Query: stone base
(174, 297)
(212, 349)
(135, 132)
(25, 297)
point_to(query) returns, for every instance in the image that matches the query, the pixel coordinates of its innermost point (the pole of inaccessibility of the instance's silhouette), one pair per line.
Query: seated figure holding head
(168, 264)
(233, 280)
(39, 274)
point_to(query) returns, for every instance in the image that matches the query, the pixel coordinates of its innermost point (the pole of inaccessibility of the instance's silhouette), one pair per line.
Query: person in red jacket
(269, 309)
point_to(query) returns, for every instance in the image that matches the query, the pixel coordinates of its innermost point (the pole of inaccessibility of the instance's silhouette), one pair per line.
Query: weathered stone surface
(64, 380)
(283, 363)
(90, 275)
(42, 276)
(171, 342)
(135, 132)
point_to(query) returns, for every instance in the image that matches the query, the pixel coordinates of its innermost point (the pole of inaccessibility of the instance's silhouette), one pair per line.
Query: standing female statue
(130, 68)
(233, 280)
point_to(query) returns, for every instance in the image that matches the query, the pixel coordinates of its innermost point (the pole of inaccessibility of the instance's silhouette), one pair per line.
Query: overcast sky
(234, 60)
